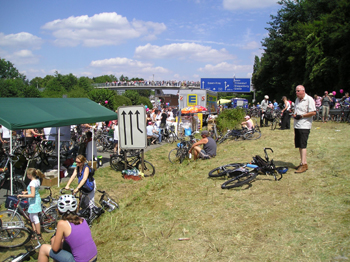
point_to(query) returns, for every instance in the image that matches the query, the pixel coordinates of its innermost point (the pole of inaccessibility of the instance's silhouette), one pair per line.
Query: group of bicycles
(15, 229)
(240, 174)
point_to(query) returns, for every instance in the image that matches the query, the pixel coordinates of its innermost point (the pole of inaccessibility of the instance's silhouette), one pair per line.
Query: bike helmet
(67, 203)
(266, 97)
(247, 117)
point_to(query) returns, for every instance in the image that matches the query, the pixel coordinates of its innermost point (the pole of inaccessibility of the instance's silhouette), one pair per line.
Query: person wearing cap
(304, 111)
(248, 123)
(326, 103)
(263, 106)
(209, 147)
(285, 114)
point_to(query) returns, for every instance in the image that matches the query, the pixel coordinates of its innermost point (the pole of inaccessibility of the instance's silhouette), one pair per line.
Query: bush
(230, 119)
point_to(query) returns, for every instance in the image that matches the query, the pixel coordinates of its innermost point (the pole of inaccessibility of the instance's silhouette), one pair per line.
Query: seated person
(248, 123)
(209, 147)
(72, 240)
(152, 132)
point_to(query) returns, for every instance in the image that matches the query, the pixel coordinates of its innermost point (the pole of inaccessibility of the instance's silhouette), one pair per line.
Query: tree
(133, 96)
(307, 44)
(85, 83)
(9, 71)
(104, 97)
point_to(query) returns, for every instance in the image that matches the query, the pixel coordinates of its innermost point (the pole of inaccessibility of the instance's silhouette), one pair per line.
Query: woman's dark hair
(71, 217)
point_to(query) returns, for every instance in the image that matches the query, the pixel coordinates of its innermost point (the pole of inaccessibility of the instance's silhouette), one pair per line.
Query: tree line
(14, 84)
(308, 43)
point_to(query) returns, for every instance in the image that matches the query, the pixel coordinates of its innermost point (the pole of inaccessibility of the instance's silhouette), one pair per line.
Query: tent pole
(11, 166)
(58, 156)
(92, 149)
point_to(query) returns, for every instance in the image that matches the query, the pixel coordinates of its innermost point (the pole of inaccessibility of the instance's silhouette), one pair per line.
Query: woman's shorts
(300, 137)
(325, 111)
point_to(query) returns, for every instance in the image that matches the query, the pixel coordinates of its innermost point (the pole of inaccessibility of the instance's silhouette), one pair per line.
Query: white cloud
(101, 29)
(225, 67)
(247, 4)
(251, 45)
(183, 51)
(20, 40)
(127, 66)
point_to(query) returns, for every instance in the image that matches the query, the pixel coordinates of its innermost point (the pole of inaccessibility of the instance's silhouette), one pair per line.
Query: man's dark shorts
(204, 155)
(300, 137)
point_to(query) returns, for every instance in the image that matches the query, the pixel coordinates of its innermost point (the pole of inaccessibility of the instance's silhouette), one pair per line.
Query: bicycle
(5, 177)
(86, 209)
(18, 208)
(16, 234)
(277, 120)
(132, 160)
(178, 154)
(243, 133)
(106, 202)
(245, 173)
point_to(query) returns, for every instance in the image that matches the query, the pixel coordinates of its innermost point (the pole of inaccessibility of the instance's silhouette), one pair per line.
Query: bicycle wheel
(275, 123)
(116, 162)
(10, 216)
(174, 156)
(172, 137)
(223, 170)
(243, 178)
(14, 237)
(252, 135)
(148, 168)
(48, 219)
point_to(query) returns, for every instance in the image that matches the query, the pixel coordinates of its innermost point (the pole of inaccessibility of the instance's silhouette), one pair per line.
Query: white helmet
(266, 97)
(67, 203)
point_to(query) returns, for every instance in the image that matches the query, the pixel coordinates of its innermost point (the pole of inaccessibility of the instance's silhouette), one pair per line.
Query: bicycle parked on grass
(277, 120)
(16, 234)
(18, 209)
(88, 209)
(180, 153)
(5, 177)
(130, 160)
(243, 173)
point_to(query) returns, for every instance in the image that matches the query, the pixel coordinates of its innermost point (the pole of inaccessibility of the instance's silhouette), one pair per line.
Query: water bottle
(252, 166)
(189, 155)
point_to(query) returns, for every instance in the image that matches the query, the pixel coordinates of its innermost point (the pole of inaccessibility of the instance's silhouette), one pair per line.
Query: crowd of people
(153, 83)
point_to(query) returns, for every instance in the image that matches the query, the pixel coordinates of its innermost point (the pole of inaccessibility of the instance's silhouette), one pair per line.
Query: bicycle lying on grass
(132, 159)
(244, 134)
(243, 173)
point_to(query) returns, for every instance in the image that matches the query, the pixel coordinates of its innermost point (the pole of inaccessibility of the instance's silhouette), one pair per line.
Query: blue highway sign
(236, 85)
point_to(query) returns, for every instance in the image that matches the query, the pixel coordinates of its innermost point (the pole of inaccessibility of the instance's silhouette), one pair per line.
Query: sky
(149, 39)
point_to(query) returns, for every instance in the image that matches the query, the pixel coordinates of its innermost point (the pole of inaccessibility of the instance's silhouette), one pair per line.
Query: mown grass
(303, 217)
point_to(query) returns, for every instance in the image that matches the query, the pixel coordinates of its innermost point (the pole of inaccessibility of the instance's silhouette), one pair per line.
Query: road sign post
(132, 127)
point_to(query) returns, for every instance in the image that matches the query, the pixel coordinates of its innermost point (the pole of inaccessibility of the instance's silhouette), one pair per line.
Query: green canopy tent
(25, 113)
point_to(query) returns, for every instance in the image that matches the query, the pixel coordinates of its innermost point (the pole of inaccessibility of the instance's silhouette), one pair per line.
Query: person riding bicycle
(85, 183)
(209, 147)
(72, 240)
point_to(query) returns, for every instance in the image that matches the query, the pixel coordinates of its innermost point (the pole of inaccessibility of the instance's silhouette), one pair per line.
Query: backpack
(89, 184)
(259, 161)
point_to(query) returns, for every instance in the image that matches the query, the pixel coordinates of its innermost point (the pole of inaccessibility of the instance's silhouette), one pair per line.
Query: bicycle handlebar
(62, 191)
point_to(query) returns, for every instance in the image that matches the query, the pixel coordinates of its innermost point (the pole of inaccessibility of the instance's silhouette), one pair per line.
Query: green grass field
(303, 217)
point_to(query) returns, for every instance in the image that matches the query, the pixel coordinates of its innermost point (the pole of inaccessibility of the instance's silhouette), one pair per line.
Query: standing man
(263, 106)
(304, 110)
